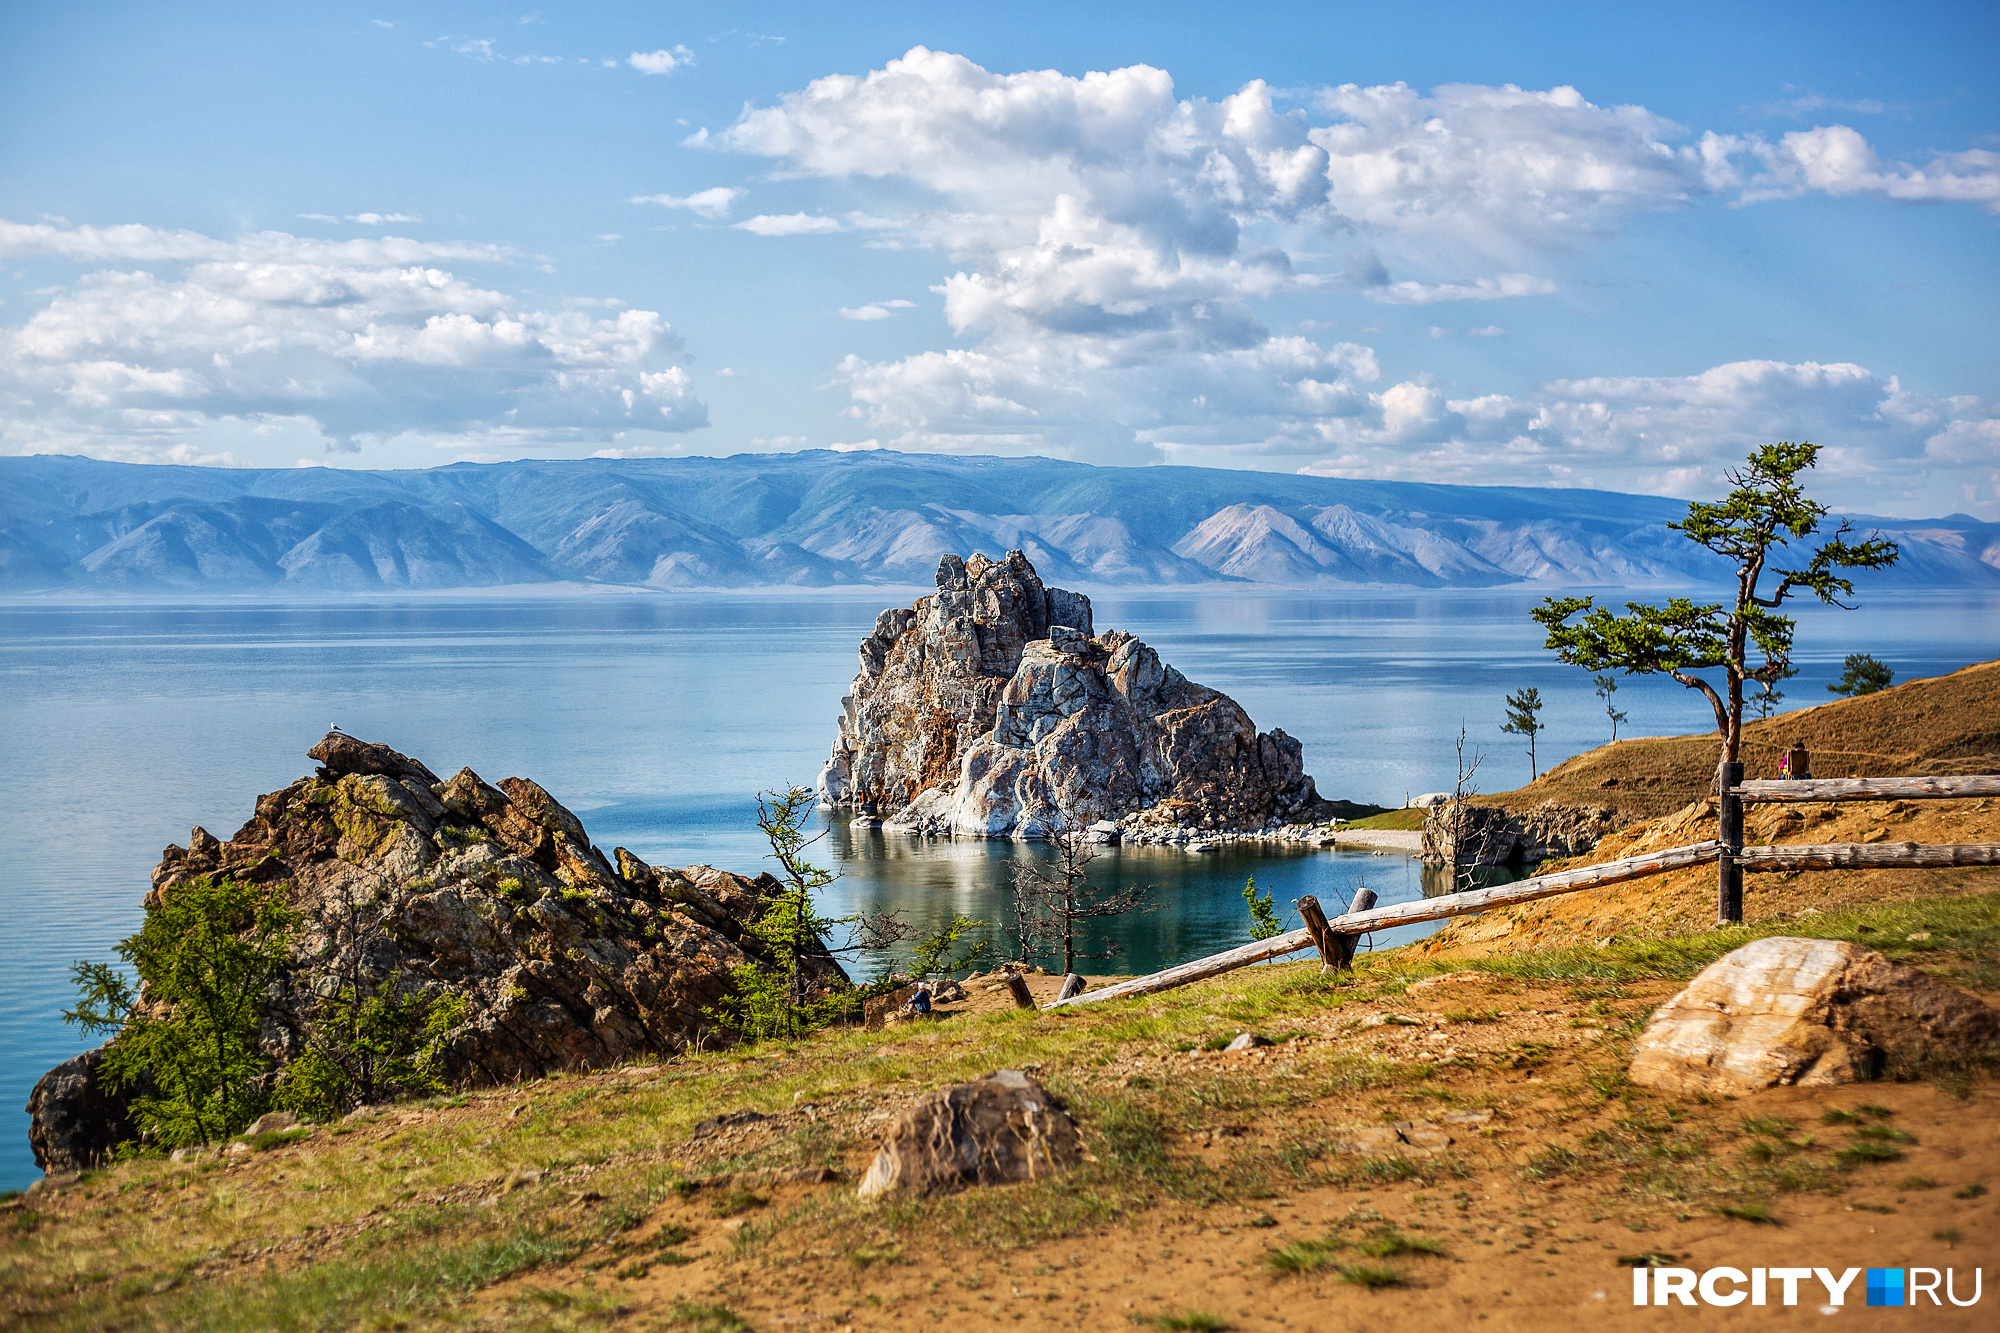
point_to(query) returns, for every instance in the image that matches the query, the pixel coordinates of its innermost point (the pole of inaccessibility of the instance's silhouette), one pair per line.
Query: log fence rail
(1336, 937)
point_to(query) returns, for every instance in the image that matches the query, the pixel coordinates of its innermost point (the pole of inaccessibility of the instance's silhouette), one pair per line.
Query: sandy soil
(1521, 1253)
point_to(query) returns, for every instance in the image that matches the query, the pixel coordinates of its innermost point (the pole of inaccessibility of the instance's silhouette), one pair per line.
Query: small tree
(1264, 921)
(1864, 675)
(1607, 685)
(1523, 720)
(1063, 898)
(948, 950)
(1767, 509)
(367, 1038)
(205, 956)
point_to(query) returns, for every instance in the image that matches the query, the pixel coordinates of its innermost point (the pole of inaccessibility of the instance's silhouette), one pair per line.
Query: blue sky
(1559, 245)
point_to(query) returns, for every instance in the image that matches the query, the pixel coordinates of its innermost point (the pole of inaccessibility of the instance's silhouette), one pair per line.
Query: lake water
(658, 719)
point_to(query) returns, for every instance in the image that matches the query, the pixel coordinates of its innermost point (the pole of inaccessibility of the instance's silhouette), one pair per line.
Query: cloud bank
(364, 338)
(1112, 242)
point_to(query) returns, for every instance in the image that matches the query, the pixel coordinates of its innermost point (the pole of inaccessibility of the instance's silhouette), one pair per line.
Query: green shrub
(205, 955)
(367, 1046)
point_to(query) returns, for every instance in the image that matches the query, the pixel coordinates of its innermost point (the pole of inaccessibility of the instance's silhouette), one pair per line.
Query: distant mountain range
(820, 518)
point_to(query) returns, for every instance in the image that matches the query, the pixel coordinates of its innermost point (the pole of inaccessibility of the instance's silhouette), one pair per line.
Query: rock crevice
(993, 708)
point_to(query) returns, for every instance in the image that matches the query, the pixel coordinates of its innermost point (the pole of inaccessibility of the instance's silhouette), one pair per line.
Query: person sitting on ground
(920, 1003)
(1797, 762)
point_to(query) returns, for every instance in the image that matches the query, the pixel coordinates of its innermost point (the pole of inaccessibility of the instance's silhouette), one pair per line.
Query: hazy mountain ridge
(821, 518)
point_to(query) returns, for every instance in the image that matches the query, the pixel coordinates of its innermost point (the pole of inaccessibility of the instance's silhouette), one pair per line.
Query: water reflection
(1438, 880)
(1198, 899)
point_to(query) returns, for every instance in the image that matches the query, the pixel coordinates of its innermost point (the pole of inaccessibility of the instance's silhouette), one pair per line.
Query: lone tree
(1865, 675)
(1063, 900)
(1523, 720)
(1607, 685)
(1756, 523)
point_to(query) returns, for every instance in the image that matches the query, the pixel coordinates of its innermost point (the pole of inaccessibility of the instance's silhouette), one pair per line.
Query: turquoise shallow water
(658, 719)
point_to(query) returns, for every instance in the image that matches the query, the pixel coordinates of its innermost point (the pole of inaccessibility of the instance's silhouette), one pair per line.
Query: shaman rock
(993, 708)
(1809, 1013)
(564, 958)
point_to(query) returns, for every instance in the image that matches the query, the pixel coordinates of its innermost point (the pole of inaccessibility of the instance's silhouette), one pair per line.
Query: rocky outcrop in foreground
(1808, 1013)
(996, 1130)
(993, 708)
(565, 958)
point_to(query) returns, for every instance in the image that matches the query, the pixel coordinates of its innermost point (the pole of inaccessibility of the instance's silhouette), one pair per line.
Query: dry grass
(1944, 724)
(621, 1197)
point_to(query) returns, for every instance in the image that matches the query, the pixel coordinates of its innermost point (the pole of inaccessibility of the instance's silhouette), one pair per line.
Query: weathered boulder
(74, 1121)
(995, 1130)
(563, 957)
(1787, 1011)
(994, 709)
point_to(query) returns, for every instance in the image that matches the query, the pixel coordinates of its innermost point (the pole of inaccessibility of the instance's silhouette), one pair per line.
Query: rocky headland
(994, 708)
(564, 958)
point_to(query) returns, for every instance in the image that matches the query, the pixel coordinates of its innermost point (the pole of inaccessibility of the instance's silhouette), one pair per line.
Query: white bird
(334, 726)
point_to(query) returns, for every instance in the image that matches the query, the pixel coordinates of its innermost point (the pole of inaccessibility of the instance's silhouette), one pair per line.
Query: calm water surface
(658, 719)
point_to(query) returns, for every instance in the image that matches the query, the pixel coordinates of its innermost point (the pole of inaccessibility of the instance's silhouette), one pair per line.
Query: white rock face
(1796, 1012)
(993, 709)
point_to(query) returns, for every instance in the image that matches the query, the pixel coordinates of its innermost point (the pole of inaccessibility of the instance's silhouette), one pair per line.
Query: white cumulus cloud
(363, 338)
(664, 61)
(712, 204)
(790, 224)
(1883, 445)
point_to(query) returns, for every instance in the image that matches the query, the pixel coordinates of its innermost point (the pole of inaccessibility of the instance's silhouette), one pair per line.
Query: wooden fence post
(1017, 986)
(1729, 832)
(1363, 900)
(1315, 918)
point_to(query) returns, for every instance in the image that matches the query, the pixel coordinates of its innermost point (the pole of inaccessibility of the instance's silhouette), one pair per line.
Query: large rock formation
(1785, 1011)
(993, 708)
(565, 958)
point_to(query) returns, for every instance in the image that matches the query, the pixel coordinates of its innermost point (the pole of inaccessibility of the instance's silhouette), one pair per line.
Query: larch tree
(1760, 523)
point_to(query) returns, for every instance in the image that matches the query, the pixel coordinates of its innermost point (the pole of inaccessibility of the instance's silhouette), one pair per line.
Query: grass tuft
(1745, 1212)
(1373, 1275)
(1198, 1321)
(1303, 1256)
(691, 1318)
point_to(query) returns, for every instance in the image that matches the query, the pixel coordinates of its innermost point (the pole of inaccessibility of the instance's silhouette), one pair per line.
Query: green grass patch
(1303, 1256)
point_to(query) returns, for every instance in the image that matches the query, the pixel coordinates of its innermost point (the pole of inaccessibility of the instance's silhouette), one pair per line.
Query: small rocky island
(564, 958)
(993, 708)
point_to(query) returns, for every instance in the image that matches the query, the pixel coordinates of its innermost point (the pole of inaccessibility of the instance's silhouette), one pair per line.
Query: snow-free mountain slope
(821, 518)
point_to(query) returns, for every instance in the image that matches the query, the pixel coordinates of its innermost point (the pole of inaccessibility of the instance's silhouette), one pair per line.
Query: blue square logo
(1885, 1286)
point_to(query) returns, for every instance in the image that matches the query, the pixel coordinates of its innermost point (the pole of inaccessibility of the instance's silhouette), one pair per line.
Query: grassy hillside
(1944, 724)
(1224, 1189)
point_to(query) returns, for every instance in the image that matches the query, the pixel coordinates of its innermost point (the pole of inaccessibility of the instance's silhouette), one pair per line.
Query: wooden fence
(1730, 855)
